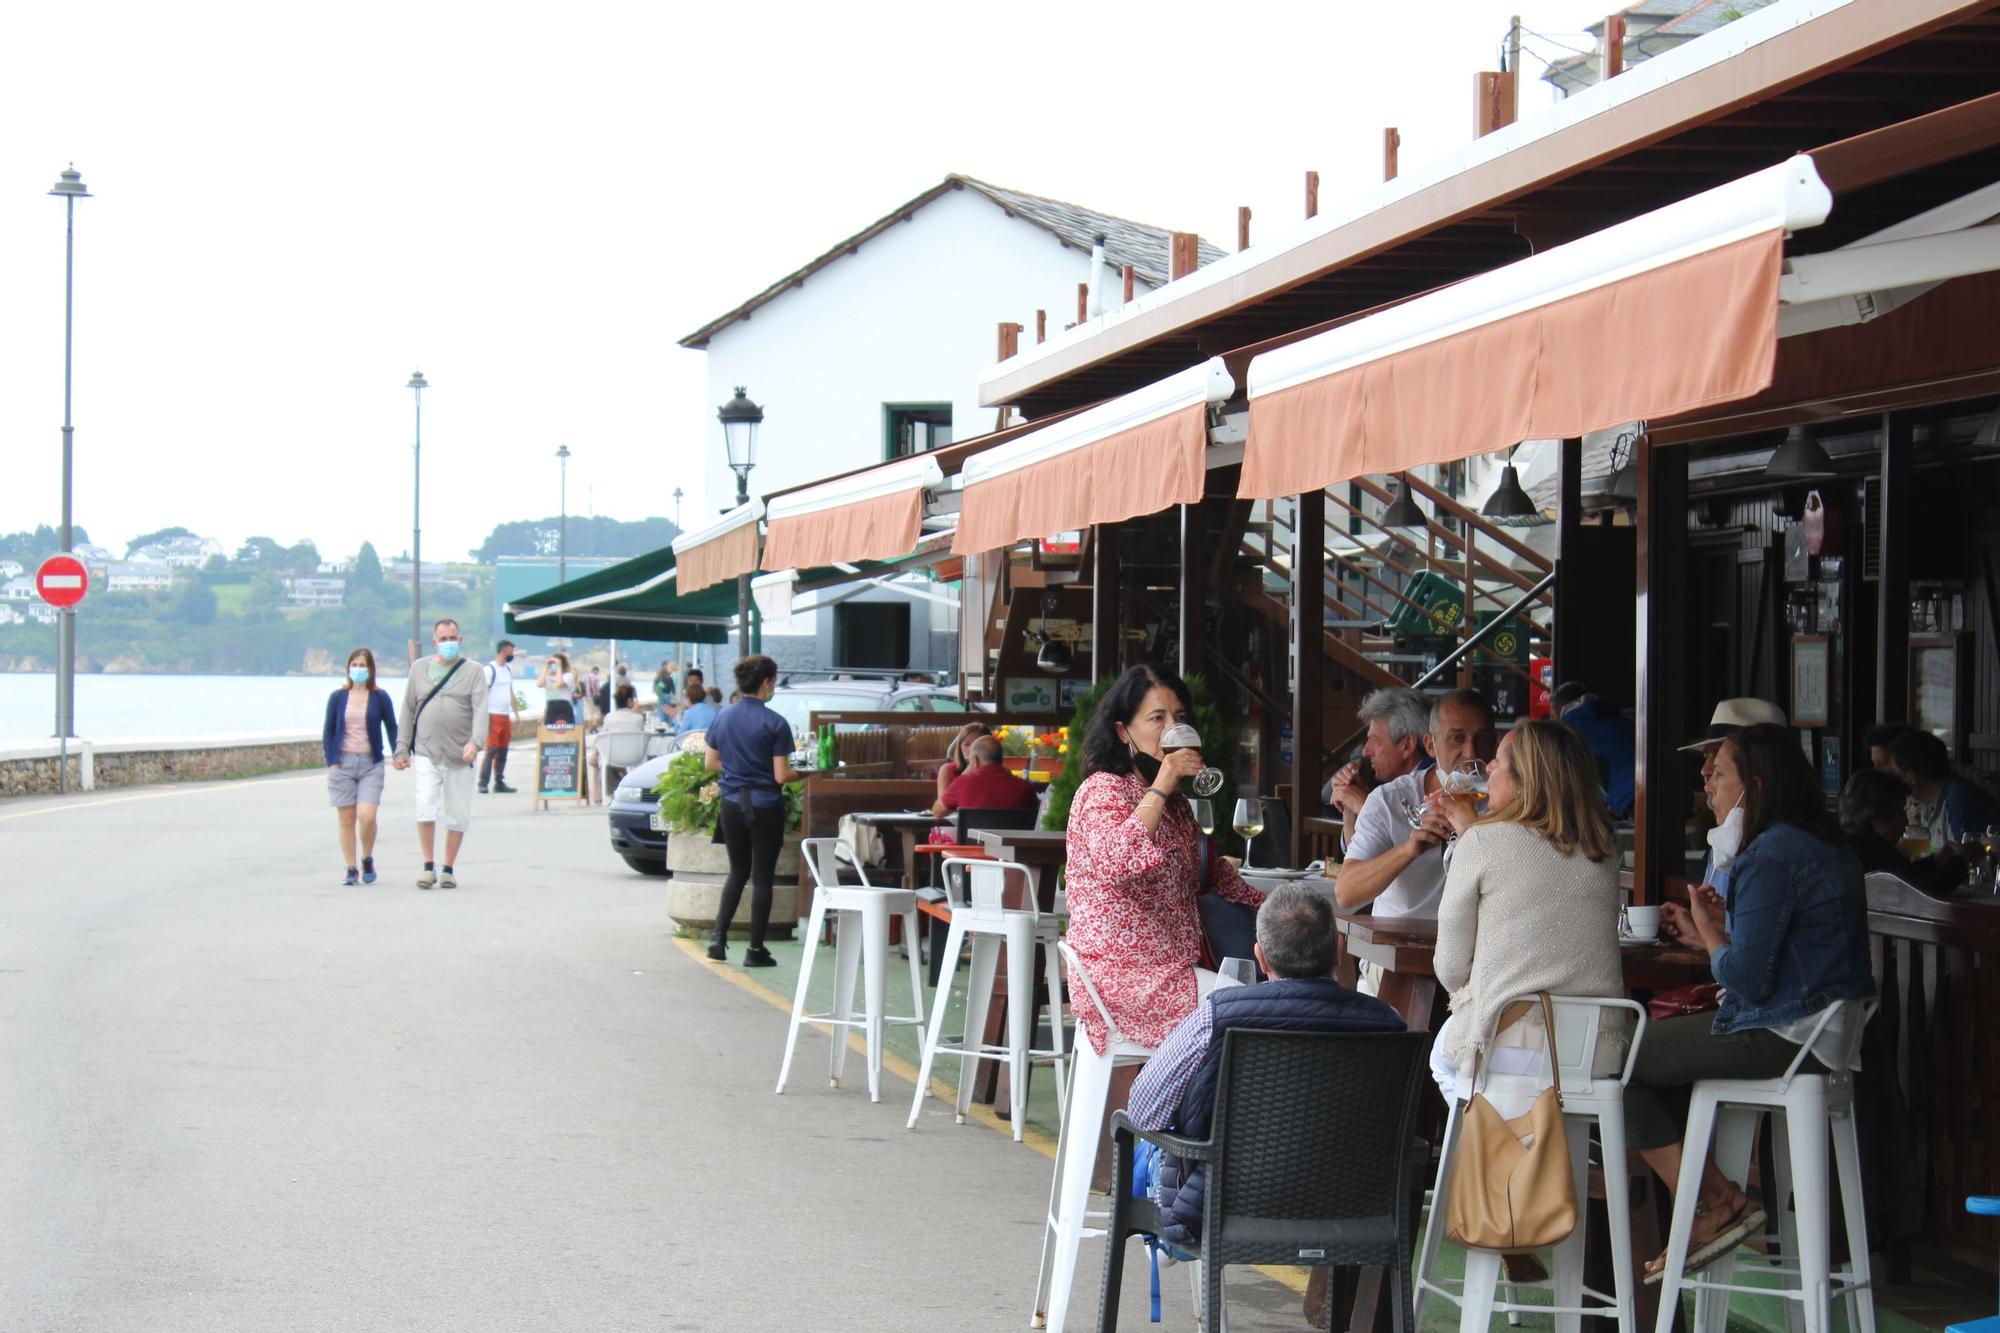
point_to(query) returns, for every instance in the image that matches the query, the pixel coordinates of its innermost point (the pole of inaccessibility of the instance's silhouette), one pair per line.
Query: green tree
(194, 603)
(164, 534)
(261, 553)
(367, 570)
(302, 558)
(598, 536)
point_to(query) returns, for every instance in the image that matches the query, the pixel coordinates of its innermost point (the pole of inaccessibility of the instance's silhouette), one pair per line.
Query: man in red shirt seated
(986, 785)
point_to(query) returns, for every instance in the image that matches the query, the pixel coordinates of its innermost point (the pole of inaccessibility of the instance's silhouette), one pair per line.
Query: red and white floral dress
(1132, 916)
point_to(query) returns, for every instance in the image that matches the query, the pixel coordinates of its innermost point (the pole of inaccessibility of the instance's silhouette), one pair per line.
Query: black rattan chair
(1310, 1161)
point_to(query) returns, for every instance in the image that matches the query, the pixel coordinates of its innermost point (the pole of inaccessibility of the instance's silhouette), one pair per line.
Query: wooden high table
(1405, 949)
(910, 826)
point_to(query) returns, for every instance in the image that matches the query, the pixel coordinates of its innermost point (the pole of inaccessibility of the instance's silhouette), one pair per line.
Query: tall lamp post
(740, 419)
(562, 523)
(69, 188)
(417, 385)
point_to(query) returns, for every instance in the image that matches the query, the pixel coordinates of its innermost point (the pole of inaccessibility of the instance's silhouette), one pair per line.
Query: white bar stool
(977, 892)
(1089, 1088)
(1810, 1106)
(1587, 1098)
(860, 939)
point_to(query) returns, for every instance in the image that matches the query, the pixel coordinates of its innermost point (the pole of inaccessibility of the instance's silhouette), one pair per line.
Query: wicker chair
(1310, 1161)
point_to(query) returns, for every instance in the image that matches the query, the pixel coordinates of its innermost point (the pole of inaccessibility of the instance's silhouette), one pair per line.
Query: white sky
(296, 206)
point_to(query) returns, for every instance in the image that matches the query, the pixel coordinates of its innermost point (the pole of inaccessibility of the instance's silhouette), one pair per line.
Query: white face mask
(1725, 840)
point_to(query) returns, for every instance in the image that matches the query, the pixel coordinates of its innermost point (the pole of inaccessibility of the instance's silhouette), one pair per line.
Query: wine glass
(1467, 778)
(1204, 814)
(1249, 822)
(1183, 736)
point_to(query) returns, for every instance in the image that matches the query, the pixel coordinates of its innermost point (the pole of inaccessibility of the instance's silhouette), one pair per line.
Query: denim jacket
(1798, 922)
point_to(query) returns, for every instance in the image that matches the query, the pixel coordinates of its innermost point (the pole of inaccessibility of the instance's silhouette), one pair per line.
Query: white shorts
(444, 794)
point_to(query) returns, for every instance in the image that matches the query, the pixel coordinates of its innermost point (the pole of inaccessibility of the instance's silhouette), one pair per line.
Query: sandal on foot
(1738, 1225)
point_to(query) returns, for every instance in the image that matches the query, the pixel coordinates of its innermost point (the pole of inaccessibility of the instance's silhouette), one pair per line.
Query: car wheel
(647, 867)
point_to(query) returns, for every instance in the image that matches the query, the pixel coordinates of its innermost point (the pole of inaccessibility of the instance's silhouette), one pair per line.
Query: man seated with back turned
(1176, 1089)
(985, 784)
(1396, 861)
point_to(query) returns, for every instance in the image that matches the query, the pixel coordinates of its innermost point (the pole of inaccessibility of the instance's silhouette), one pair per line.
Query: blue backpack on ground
(1146, 1161)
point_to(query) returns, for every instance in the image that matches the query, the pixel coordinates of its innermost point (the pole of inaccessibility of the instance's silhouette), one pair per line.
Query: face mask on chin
(1725, 840)
(1148, 765)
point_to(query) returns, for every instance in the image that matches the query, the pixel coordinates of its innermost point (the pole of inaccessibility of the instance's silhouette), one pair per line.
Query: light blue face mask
(448, 649)
(358, 674)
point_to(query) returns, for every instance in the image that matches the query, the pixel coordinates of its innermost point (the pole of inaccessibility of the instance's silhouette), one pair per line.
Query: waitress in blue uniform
(750, 745)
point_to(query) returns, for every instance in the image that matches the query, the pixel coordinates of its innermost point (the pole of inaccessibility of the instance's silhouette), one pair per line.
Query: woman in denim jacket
(1791, 940)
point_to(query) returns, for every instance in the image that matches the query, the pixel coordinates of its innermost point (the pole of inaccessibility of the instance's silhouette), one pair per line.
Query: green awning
(633, 600)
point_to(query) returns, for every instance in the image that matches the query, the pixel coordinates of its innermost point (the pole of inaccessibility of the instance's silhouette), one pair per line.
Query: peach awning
(1137, 454)
(873, 515)
(725, 549)
(1669, 312)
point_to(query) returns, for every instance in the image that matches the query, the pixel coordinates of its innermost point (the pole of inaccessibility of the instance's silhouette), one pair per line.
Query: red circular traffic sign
(62, 580)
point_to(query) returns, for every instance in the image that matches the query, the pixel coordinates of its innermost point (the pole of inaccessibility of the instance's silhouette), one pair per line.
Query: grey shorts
(357, 781)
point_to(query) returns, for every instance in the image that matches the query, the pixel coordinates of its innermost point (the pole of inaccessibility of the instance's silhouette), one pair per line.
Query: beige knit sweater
(1519, 917)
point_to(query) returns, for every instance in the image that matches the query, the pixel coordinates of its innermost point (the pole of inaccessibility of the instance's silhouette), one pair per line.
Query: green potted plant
(691, 803)
(1218, 744)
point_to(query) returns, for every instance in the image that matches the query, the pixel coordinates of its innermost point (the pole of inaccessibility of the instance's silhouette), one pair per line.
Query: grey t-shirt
(456, 718)
(1381, 826)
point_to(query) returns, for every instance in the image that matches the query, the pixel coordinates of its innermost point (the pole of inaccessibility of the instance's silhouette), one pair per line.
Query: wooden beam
(1131, 276)
(1614, 47)
(1010, 340)
(1185, 256)
(1104, 662)
(1660, 633)
(1243, 227)
(1492, 100)
(1193, 590)
(1082, 302)
(1308, 661)
(1041, 326)
(1892, 586)
(1392, 143)
(1312, 194)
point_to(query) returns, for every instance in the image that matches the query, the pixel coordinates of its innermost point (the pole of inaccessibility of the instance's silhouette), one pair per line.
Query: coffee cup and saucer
(1639, 927)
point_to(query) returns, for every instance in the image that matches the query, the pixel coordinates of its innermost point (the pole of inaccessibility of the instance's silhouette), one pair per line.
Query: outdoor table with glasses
(911, 827)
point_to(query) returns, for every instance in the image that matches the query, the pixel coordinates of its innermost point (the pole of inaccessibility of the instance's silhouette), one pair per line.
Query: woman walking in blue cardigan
(358, 717)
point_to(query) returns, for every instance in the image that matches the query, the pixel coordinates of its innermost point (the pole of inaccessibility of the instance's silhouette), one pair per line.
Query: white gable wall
(910, 317)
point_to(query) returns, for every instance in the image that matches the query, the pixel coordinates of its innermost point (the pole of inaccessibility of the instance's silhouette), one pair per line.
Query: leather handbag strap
(1513, 1014)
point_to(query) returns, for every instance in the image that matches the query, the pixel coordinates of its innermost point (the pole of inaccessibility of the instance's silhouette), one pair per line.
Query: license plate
(657, 822)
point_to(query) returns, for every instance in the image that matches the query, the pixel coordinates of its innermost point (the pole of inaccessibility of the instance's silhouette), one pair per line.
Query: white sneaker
(426, 878)
(446, 880)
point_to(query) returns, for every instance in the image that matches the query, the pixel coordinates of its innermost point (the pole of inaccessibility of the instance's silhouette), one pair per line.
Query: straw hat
(1731, 716)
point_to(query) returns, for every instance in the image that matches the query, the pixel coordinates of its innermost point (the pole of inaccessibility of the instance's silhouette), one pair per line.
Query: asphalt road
(239, 1096)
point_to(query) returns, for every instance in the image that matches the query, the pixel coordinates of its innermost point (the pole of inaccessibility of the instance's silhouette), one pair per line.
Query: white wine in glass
(1204, 814)
(1249, 822)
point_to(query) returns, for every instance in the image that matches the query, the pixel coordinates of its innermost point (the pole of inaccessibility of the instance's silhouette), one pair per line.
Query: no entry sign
(62, 580)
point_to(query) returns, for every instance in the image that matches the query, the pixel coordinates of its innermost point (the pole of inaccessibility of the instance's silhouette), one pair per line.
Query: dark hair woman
(358, 718)
(1137, 862)
(751, 746)
(1791, 940)
(558, 684)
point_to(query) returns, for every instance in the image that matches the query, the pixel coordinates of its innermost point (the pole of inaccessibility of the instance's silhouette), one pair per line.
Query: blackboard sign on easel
(559, 766)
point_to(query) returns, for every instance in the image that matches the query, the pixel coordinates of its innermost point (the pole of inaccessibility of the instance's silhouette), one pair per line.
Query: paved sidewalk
(241, 1097)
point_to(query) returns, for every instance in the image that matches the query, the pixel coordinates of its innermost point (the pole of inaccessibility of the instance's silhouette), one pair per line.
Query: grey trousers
(1677, 1051)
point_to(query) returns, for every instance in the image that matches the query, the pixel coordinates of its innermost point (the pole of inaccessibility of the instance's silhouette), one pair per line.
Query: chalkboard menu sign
(559, 761)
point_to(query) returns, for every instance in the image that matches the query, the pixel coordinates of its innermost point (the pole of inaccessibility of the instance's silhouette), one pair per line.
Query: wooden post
(1493, 102)
(1892, 587)
(1243, 227)
(1010, 339)
(1104, 601)
(1312, 194)
(1186, 255)
(1661, 632)
(1614, 46)
(1308, 660)
(1131, 275)
(1193, 591)
(1041, 326)
(1392, 141)
(1082, 302)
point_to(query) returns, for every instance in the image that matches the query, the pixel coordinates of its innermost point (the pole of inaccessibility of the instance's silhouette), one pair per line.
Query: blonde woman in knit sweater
(1530, 902)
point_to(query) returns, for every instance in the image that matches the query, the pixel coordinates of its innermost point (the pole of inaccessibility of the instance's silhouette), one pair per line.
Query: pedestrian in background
(444, 707)
(357, 715)
(501, 718)
(664, 692)
(558, 684)
(751, 746)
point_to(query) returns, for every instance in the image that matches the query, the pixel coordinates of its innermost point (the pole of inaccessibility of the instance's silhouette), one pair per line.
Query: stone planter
(697, 868)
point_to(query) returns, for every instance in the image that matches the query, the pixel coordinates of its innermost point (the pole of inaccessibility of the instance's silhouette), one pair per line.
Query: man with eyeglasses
(444, 707)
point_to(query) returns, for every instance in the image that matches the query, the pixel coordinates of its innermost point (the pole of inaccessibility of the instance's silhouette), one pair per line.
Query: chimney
(1100, 273)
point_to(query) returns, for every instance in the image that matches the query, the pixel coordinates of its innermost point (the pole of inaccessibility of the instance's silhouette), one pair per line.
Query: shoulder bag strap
(450, 671)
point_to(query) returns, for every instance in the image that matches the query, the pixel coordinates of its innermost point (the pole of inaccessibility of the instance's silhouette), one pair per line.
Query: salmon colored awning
(725, 549)
(873, 515)
(1134, 455)
(1669, 312)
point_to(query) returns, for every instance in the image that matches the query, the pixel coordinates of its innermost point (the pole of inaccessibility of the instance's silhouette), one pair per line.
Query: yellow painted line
(1295, 1278)
(100, 802)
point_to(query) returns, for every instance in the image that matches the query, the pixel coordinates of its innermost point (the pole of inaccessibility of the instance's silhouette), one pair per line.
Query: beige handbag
(1511, 1187)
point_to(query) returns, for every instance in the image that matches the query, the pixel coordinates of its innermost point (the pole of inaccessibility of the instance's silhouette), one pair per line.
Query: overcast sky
(297, 206)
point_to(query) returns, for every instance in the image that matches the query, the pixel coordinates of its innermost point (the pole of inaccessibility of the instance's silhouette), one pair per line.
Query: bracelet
(1152, 791)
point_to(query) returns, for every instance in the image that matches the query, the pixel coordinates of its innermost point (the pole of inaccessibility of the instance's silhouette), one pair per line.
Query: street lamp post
(740, 420)
(562, 523)
(680, 649)
(69, 188)
(417, 385)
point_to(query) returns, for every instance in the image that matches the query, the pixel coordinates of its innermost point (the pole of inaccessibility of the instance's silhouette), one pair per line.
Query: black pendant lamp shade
(1510, 506)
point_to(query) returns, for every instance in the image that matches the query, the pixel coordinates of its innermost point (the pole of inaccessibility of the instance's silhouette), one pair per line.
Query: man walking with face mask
(501, 718)
(444, 715)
